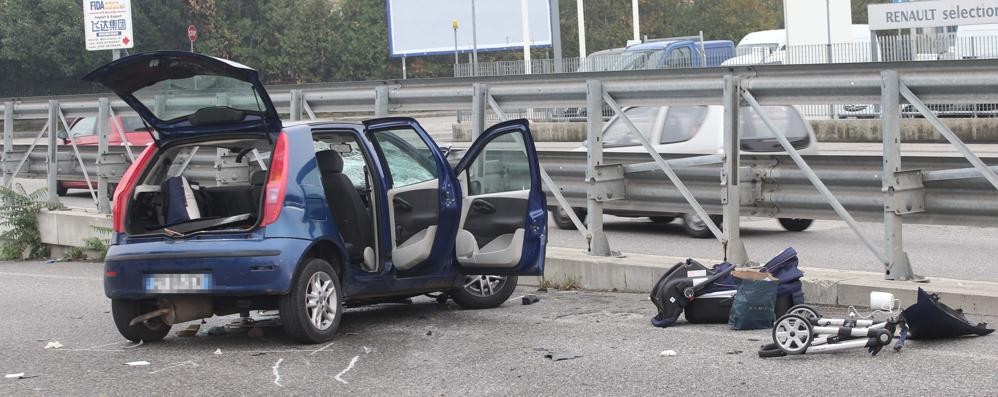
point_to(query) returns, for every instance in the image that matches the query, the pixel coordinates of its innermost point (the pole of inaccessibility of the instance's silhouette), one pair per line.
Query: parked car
(323, 215)
(756, 46)
(676, 53)
(83, 132)
(700, 130)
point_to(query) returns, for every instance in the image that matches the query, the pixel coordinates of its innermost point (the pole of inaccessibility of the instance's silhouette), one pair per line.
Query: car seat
(346, 205)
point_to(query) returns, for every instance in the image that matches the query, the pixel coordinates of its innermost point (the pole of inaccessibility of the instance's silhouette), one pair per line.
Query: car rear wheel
(483, 291)
(60, 189)
(312, 310)
(124, 310)
(696, 227)
(796, 225)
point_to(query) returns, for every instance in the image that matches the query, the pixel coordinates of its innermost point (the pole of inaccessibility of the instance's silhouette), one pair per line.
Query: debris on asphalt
(258, 354)
(429, 332)
(367, 350)
(561, 355)
(216, 331)
(137, 363)
(76, 317)
(133, 346)
(218, 352)
(190, 331)
(50, 261)
(734, 352)
(344, 371)
(530, 299)
(18, 375)
(542, 289)
(53, 345)
(277, 375)
(667, 353)
(255, 332)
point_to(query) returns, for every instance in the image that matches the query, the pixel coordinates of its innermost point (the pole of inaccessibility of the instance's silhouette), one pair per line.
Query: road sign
(192, 33)
(107, 24)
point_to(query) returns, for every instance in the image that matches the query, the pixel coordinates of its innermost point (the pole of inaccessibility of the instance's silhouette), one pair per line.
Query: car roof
(657, 45)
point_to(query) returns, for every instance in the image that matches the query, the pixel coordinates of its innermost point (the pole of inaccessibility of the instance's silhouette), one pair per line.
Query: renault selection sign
(926, 14)
(107, 24)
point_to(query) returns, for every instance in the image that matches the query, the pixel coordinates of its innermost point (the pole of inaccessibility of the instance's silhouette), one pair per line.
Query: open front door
(503, 227)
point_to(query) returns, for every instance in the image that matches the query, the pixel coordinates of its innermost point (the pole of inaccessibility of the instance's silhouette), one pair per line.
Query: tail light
(277, 182)
(127, 185)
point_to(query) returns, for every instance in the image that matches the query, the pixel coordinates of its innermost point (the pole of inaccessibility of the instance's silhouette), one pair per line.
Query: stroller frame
(802, 330)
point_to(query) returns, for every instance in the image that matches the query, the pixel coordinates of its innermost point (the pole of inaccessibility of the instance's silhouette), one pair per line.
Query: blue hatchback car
(231, 210)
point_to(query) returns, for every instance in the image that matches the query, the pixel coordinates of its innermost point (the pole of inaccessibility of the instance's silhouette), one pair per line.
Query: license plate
(178, 283)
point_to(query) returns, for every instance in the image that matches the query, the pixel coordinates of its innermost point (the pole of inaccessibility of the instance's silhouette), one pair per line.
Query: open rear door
(503, 227)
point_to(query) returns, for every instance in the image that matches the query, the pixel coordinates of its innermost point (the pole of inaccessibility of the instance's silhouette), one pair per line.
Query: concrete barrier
(638, 273)
(64, 229)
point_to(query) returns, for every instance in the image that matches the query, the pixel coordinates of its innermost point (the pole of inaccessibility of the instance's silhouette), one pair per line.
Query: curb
(638, 273)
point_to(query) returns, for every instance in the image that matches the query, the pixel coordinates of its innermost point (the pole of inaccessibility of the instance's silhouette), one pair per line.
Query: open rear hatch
(185, 95)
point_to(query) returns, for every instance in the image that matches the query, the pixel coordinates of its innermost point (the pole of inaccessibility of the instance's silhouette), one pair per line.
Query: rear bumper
(237, 267)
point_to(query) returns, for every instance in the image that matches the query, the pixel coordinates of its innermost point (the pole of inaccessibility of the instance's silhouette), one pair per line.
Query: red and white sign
(192, 33)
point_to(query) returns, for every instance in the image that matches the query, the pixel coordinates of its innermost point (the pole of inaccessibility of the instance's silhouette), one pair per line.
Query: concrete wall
(970, 130)
(70, 228)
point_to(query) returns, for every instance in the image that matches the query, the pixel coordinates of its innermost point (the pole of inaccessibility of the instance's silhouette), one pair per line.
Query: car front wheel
(696, 227)
(312, 310)
(483, 291)
(562, 220)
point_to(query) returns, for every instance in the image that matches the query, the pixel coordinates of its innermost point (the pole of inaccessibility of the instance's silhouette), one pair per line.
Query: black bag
(754, 304)
(683, 284)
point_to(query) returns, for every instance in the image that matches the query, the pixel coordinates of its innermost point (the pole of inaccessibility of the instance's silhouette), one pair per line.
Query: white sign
(817, 22)
(426, 27)
(107, 24)
(926, 14)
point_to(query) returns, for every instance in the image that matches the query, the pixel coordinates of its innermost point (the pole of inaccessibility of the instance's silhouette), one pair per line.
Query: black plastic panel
(509, 215)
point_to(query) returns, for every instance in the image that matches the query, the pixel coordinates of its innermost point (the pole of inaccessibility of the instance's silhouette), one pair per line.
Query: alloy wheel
(321, 300)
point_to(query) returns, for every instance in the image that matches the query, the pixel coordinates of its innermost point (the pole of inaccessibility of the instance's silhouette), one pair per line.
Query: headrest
(258, 178)
(329, 161)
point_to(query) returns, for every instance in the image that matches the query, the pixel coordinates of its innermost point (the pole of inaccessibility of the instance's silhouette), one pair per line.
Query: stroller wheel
(805, 311)
(793, 334)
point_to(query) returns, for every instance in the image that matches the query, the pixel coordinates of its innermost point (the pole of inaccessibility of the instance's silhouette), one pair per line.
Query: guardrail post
(898, 265)
(734, 249)
(381, 101)
(479, 104)
(103, 112)
(599, 245)
(53, 166)
(8, 140)
(295, 105)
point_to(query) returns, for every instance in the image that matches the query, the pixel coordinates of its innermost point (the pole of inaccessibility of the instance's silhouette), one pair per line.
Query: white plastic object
(881, 301)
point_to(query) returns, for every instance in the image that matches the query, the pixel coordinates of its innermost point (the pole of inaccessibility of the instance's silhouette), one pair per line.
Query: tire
(298, 320)
(124, 310)
(805, 311)
(468, 295)
(792, 334)
(562, 220)
(662, 219)
(61, 190)
(796, 225)
(696, 228)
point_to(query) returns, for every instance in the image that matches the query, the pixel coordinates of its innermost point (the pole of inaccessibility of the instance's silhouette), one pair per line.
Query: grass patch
(566, 283)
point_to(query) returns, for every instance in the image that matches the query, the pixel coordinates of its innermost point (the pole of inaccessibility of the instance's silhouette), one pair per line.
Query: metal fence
(940, 191)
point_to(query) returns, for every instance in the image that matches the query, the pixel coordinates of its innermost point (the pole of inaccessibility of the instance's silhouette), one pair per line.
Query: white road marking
(51, 276)
(277, 376)
(349, 367)
(321, 349)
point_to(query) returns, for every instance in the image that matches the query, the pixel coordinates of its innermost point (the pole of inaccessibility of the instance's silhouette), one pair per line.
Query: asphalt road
(960, 252)
(431, 349)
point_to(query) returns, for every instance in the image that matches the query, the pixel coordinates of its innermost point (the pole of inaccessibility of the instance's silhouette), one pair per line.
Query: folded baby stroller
(705, 294)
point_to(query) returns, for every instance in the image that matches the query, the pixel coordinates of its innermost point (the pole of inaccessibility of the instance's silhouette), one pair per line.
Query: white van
(698, 130)
(755, 47)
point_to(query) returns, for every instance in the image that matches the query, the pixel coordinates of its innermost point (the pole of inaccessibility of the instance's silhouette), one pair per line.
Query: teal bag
(754, 304)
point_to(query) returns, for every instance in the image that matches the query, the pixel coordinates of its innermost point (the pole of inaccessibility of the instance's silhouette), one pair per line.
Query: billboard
(107, 24)
(815, 21)
(424, 27)
(927, 14)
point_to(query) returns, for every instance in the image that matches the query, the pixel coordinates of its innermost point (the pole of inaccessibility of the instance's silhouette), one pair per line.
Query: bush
(19, 217)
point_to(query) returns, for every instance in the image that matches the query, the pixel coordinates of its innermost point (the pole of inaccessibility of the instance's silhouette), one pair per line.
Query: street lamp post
(454, 25)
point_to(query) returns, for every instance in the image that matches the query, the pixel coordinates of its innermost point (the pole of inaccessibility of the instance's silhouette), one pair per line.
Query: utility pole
(525, 21)
(582, 29)
(555, 12)
(474, 41)
(636, 20)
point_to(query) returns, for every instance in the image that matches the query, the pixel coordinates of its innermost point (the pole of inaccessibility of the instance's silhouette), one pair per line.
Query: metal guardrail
(948, 194)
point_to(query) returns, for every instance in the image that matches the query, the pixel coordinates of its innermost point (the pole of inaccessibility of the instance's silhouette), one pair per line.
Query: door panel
(422, 197)
(504, 213)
